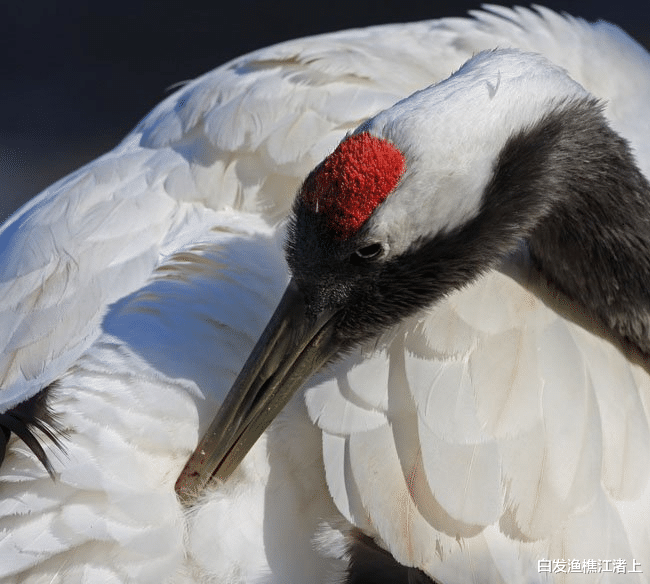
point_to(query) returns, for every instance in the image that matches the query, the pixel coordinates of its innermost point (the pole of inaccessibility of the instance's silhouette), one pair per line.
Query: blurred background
(79, 76)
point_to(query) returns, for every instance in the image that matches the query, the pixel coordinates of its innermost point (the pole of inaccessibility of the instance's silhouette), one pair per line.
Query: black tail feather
(370, 564)
(27, 418)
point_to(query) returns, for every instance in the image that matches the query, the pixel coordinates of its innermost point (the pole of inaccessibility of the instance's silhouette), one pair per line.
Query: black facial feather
(27, 420)
(567, 185)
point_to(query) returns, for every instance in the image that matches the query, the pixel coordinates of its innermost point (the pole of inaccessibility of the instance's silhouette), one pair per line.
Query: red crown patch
(352, 181)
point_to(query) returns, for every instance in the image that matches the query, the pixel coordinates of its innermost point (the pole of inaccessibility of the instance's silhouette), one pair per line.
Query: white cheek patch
(423, 206)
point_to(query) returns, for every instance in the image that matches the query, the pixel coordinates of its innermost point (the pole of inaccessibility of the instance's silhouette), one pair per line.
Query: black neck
(571, 187)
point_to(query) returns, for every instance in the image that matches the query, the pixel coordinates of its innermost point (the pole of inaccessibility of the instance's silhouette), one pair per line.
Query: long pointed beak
(291, 348)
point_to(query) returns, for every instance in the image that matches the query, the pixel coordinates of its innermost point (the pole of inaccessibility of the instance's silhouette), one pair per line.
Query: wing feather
(478, 448)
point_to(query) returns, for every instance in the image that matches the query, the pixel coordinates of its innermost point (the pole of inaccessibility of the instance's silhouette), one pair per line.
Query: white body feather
(483, 436)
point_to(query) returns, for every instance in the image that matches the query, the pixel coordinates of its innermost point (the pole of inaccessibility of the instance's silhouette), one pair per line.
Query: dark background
(78, 77)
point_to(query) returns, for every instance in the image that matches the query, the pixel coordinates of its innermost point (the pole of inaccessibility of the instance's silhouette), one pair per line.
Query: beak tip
(190, 481)
(289, 350)
(185, 486)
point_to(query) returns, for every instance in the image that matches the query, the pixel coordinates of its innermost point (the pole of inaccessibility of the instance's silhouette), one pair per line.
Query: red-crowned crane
(456, 375)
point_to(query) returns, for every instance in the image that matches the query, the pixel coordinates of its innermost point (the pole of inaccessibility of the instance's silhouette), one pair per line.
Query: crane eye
(368, 252)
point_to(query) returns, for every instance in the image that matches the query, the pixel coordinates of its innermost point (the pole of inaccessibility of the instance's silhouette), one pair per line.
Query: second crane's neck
(570, 187)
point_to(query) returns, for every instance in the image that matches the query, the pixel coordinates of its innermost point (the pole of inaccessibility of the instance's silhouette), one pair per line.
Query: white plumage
(495, 430)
